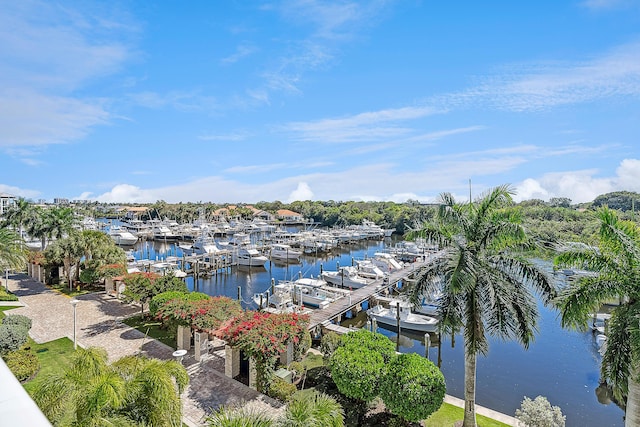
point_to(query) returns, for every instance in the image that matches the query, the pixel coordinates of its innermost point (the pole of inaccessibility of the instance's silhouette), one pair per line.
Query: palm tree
(132, 391)
(486, 286)
(12, 250)
(18, 214)
(617, 262)
(50, 223)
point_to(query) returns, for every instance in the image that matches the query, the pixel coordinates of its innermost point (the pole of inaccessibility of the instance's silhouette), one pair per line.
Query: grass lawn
(448, 414)
(5, 308)
(54, 356)
(151, 327)
(75, 291)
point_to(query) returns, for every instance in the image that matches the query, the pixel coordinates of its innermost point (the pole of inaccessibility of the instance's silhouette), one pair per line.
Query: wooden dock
(336, 309)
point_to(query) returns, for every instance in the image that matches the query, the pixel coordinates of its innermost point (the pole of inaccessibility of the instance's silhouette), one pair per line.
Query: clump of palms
(307, 408)
(616, 259)
(132, 391)
(486, 285)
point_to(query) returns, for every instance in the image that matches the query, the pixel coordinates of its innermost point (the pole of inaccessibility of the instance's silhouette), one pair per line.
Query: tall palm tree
(18, 214)
(12, 250)
(130, 392)
(45, 224)
(486, 286)
(617, 262)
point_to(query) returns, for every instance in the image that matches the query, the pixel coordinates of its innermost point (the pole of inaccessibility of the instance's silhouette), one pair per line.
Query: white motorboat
(164, 233)
(386, 262)
(346, 277)
(598, 322)
(205, 244)
(122, 237)
(248, 256)
(284, 252)
(166, 268)
(312, 295)
(366, 268)
(408, 320)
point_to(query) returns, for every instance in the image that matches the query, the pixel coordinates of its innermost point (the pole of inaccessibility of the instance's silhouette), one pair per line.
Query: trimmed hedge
(412, 387)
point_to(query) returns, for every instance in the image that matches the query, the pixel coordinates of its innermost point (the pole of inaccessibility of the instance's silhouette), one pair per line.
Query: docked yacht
(205, 244)
(366, 268)
(121, 236)
(248, 256)
(408, 320)
(283, 251)
(346, 277)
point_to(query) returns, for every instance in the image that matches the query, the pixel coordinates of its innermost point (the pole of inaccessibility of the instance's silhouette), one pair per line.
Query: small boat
(205, 244)
(346, 277)
(598, 322)
(166, 268)
(284, 252)
(367, 268)
(408, 320)
(249, 256)
(122, 237)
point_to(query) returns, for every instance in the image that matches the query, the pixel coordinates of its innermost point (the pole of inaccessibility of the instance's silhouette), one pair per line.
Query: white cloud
(532, 87)
(241, 52)
(303, 192)
(530, 189)
(20, 192)
(176, 99)
(583, 185)
(368, 126)
(28, 118)
(49, 52)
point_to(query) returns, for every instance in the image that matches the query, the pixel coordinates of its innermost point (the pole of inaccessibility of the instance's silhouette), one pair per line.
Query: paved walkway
(98, 324)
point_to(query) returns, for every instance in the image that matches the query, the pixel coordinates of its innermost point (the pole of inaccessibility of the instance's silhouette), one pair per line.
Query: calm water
(560, 365)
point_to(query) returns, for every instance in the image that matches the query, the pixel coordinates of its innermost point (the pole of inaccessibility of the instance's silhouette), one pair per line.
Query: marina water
(562, 365)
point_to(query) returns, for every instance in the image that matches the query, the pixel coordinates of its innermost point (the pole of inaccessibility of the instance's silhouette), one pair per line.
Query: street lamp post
(74, 303)
(6, 280)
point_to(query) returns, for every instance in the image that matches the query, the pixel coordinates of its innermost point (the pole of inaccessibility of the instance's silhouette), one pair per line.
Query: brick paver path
(98, 325)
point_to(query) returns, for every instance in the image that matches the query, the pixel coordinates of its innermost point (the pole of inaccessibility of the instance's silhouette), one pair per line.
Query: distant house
(133, 212)
(263, 215)
(6, 200)
(288, 216)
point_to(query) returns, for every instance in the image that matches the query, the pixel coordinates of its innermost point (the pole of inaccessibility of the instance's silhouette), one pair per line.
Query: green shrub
(8, 297)
(412, 387)
(12, 337)
(356, 373)
(281, 390)
(297, 368)
(23, 363)
(328, 343)
(366, 340)
(17, 319)
(89, 276)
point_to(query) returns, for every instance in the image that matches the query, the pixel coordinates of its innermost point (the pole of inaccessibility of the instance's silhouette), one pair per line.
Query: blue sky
(247, 101)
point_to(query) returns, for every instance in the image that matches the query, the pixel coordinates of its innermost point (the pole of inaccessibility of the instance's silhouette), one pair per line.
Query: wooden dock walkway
(357, 296)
